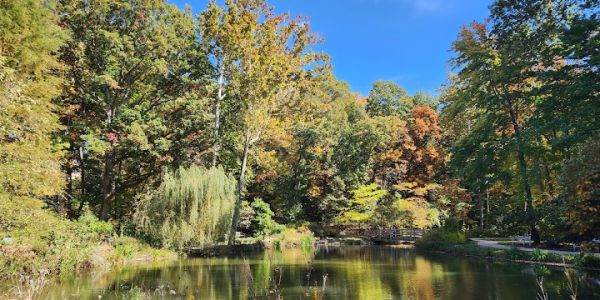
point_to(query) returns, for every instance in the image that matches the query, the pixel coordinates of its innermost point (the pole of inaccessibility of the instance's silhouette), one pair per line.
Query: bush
(263, 224)
(38, 239)
(89, 226)
(300, 237)
(440, 239)
(587, 260)
(589, 247)
(42, 240)
(538, 255)
(515, 254)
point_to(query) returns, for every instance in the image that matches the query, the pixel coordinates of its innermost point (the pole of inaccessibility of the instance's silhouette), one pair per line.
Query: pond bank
(225, 250)
(475, 249)
(253, 245)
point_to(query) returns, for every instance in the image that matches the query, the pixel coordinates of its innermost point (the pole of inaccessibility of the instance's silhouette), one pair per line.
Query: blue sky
(407, 41)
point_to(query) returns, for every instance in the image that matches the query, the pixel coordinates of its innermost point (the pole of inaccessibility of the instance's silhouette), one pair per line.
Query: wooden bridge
(396, 235)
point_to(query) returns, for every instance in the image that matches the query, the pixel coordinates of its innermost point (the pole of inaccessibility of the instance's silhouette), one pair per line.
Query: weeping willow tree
(192, 207)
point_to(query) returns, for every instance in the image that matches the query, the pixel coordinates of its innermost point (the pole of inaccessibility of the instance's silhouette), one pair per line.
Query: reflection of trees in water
(352, 273)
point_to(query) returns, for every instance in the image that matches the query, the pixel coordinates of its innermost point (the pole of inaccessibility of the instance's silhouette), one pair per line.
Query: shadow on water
(375, 272)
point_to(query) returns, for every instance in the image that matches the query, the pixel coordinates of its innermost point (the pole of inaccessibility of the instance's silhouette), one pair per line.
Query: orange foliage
(415, 155)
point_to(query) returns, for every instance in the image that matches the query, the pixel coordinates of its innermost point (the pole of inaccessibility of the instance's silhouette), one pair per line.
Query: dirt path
(496, 245)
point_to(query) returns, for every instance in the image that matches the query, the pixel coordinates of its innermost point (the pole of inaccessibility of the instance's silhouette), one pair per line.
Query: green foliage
(192, 207)
(386, 98)
(523, 100)
(29, 41)
(587, 260)
(362, 206)
(139, 112)
(300, 237)
(426, 99)
(413, 213)
(538, 255)
(42, 240)
(110, 94)
(581, 179)
(263, 224)
(88, 225)
(440, 239)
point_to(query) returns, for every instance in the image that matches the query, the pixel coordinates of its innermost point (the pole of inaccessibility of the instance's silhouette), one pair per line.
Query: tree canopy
(194, 123)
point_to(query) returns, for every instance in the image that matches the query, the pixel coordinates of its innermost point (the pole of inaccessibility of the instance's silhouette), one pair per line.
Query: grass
(300, 237)
(440, 239)
(34, 241)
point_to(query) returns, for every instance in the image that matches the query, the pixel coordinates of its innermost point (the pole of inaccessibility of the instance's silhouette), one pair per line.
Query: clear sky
(407, 41)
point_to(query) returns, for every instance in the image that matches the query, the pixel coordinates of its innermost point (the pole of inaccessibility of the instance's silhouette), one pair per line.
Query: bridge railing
(398, 234)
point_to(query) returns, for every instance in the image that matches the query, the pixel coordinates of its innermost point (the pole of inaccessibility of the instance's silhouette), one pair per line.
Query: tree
(523, 98)
(361, 207)
(581, 181)
(130, 65)
(494, 79)
(307, 166)
(387, 98)
(425, 99)
(272, 61)
(222, 49)
(192, 207)
(29, 40)
(263, 224)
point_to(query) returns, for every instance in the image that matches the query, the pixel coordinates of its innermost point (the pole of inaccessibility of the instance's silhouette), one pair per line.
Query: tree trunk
(524, 176)
(220, 97)
(69, 171)
(482, 214)
(240, 191)
(108, 182)
(487, 201)
(83, 179)
(108, 185)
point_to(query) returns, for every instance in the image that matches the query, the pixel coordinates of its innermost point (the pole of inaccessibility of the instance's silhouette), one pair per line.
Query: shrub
(538, 255)
(293, 238)
(263, 224)
(515, 254)
(587, 260)
(88, 225)
(589, 247)
(42, 240)
(440, 239)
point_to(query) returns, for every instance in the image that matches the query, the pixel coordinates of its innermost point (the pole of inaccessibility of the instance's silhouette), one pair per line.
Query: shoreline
(495, 255)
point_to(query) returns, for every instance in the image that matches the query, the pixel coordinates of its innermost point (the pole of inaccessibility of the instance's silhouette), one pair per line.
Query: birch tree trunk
(217, 126)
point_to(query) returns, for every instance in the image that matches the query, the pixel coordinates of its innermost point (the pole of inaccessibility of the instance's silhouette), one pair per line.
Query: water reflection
(326, 273)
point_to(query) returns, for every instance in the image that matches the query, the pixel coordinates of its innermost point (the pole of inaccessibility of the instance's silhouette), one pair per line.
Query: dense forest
(181, 129)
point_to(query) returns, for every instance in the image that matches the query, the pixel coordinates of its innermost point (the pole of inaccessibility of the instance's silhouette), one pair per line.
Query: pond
(374, 272)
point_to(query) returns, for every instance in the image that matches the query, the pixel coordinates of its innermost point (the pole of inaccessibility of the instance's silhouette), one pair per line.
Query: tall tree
(29, 41)
(130, 65)
(223, 51)
(270, 59)
(492, 77)
(387, 98)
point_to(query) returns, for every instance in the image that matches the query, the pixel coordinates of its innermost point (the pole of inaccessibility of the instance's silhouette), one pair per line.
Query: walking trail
(496, 245)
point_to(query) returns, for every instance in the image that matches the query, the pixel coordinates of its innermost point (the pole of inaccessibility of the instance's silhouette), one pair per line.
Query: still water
(376, 272)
